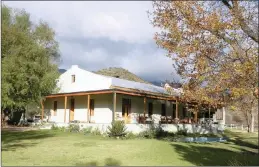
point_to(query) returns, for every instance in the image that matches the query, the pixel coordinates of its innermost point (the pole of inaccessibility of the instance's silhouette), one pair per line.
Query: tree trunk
(252, 122)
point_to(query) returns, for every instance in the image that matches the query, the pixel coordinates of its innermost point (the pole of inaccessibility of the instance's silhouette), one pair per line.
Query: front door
(126, 105)
(91, 109)
(72, 109)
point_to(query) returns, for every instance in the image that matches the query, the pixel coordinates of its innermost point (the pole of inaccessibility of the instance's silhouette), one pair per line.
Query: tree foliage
(29, 56)
(214, 45)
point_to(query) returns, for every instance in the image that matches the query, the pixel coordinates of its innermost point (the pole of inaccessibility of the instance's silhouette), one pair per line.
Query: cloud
(144, 60)
(98, 35)
(126, 20)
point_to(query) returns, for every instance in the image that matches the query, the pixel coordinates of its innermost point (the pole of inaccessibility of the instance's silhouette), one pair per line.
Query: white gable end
(84, 81)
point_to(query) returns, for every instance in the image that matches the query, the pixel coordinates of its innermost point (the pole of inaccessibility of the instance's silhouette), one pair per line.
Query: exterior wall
(84, 80)
(102, 110)
(49, 105)
(137, 107)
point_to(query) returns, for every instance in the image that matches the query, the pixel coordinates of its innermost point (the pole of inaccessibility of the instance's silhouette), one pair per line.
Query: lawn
(52, 148)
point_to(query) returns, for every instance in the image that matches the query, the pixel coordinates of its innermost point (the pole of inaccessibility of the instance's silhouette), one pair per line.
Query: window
(174, 110)
(150, 109)
(163, 111)
(73, 78)
(91, 107)
(126, 106)
(55, 108)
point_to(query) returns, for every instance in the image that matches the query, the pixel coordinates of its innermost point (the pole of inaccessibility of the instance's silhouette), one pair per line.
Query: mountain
(157, 83)
(61, 71)
(120, 73)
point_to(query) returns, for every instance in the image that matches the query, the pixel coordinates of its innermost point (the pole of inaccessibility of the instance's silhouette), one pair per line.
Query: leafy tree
(29, 57)
(214, 46)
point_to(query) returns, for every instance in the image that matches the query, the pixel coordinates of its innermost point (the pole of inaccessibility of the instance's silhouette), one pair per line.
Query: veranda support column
(196, 115)
(209, 112)
(188, 112)
(42, 110)
(88, 108)
(114, 106)
(176, 108)
(65, 107)
(145, 106)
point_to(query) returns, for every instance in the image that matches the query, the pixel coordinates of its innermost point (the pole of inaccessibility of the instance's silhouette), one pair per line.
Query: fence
(239, 127)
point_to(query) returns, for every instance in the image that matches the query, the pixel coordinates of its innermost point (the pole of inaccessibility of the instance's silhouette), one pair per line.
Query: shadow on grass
(243, 140)
(107, 162)
(12, 140)
(202, 155)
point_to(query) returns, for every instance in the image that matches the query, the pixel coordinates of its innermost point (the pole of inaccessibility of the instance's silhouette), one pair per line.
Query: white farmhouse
(97, 100)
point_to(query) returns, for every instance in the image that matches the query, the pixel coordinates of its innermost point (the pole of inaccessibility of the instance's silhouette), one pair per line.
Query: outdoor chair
(141, 119)
(176, 121)
(163, 120)
(169, 119)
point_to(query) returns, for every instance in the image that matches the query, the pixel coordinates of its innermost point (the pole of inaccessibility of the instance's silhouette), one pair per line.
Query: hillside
(61, 71)
(120, 73)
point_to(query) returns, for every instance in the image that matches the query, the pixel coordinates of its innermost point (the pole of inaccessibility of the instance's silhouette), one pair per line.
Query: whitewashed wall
(104, 108)
(84, 80)
(137, 106)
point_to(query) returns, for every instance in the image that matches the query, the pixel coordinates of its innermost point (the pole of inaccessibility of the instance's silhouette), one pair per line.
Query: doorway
(72, 109)
(126, 109)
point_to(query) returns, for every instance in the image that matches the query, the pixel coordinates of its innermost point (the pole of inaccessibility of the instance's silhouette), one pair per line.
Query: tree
(29, 56)
(214, 46)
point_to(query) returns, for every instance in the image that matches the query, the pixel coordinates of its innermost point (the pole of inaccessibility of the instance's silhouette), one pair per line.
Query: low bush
(54, 127)
(117, 129)
(182, 132)
(96, 132)
(153, 132)
(73, 128)
(86, 131)
(131, 135)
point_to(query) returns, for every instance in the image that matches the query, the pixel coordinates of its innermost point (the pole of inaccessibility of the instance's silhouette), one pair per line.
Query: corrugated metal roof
(140, 86)
(137, 85)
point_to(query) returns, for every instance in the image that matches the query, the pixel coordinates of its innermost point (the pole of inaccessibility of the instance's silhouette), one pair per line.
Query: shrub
(73, 128)
(154, 132)
(96, 132)
(182, 132)
(117, 129)
(63, 129)
(149, 134)
(54, 127)
(87, 130)
(131, 135)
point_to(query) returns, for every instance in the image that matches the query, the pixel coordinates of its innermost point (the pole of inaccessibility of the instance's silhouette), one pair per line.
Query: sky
(97, 35)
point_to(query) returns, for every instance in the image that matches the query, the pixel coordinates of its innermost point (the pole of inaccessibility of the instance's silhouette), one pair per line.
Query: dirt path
(17, 129)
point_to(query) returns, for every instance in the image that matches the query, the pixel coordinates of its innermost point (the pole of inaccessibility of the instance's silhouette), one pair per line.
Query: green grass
(51, 148)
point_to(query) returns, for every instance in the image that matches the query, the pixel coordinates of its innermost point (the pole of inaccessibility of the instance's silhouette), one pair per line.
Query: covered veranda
(191, 109)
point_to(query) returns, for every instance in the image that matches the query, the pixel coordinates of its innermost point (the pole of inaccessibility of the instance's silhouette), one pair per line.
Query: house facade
(91, 98)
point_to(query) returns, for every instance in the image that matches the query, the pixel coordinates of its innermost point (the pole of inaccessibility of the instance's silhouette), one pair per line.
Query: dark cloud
(145, 60)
